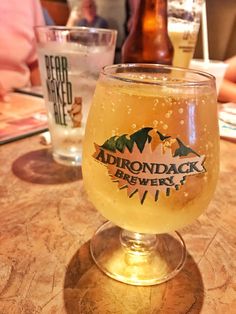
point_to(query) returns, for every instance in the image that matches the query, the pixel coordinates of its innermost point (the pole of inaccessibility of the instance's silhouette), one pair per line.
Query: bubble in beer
(155, 123)
(113, 107)
(168, 114)
(181, 122)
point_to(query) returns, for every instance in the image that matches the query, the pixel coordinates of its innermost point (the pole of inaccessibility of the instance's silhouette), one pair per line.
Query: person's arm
(32, 61)
(3, 93)
(35, 74)
(228, 87)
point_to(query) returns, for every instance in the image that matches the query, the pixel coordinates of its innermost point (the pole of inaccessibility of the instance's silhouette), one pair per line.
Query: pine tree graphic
(140, 138)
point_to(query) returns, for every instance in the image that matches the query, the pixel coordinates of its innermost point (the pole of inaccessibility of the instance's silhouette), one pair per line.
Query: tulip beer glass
(150, 166)
(184, 19)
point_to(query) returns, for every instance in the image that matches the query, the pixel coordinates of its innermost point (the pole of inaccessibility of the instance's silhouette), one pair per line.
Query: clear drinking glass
(184, 19)
(70, 60)
(150, 166)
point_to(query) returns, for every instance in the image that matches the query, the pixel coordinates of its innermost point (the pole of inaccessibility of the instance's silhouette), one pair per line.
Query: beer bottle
(148, 40)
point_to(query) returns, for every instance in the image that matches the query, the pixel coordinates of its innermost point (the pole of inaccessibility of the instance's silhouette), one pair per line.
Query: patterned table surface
(46, 223)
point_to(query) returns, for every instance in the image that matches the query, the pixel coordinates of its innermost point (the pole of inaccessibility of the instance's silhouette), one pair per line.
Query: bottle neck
(149, 15)
(161, 14)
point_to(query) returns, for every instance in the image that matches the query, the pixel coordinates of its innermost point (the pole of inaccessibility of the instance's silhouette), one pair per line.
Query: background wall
(221, 16)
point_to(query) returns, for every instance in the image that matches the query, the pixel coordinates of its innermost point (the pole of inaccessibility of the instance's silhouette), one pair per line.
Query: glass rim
(79, 29)
(209, 78)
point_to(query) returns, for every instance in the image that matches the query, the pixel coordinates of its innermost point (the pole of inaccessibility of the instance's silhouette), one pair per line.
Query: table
(46, 223)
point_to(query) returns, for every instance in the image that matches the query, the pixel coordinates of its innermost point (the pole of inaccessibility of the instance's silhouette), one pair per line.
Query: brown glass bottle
(148, 40)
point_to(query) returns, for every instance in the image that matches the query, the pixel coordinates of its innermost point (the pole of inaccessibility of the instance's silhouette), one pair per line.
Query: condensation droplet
(185, 194)
(181, 110)
(165, 126)
(133, 126)
(181, 122)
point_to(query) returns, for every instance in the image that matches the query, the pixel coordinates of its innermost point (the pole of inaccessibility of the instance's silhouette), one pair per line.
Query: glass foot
(68, 160)
(135, 258)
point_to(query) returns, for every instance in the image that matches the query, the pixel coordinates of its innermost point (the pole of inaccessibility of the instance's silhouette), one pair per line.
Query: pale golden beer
(183, 38)
(150, 166)
(183, 26)
(123, 107)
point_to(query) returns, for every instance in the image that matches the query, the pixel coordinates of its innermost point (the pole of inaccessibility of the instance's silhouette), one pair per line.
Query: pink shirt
(17, 41)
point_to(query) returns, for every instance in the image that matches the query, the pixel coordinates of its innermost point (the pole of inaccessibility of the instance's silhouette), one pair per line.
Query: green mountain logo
(140, 138)
(148, 161)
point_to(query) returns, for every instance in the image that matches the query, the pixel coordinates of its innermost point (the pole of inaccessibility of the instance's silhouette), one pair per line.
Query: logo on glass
(148, 162)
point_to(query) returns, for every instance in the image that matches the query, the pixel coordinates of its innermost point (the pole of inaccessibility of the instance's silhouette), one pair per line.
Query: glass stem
(138, 246)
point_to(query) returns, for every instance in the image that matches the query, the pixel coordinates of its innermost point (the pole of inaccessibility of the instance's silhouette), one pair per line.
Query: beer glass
(184, 19)
(150, 166)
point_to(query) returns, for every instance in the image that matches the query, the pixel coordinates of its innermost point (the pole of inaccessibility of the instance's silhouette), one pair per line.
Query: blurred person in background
(86, 15)
(228, 86)
(18, 57)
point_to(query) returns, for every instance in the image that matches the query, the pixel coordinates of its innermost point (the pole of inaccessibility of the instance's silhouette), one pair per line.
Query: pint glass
(183, 26)
(70, 60)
